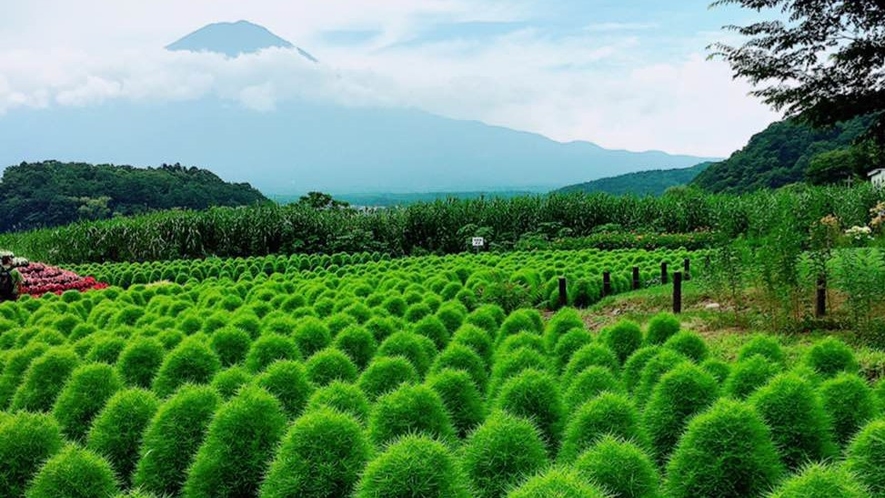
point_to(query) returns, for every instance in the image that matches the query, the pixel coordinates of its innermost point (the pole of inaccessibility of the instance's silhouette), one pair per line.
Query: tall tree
(821, 60)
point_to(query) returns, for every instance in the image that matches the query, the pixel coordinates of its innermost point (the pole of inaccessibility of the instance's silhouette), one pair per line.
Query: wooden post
(664, 278)
(821, 308)
(686, 268)
(606, 283)
(636, 282)
(563, 295)
(677, 292)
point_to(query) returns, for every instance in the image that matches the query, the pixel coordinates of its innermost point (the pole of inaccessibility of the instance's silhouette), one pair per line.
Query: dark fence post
(563, 295)
(677, 292)
(686, 266)
(606, 283)
(664, 278)
(821, 308)
(636, 282)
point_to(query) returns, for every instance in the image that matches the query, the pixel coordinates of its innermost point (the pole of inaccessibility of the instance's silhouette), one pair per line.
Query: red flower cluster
(40, 279)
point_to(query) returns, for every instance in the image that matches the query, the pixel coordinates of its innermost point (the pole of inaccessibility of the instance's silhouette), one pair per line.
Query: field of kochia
(359, 375)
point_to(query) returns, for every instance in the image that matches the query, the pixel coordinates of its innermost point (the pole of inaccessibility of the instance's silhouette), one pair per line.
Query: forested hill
(788, 152)
(653, 182)
(52, 193)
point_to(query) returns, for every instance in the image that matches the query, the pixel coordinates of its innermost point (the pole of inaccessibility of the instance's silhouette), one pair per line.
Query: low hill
(653, 182)
(53, 193)
(779, 155)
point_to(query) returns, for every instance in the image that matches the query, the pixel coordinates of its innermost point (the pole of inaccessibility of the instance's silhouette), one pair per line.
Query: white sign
(478, 241)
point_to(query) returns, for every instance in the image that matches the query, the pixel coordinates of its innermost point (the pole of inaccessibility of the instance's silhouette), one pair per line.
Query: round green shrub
(190, 362)
(658, 365)
(521, 320)
(765, 345)
(621, 468)
(679, 395)
(521, 340)
(865, 457)
(623, 338)
(562, 322)
(44, 379)
(588, 384)
(416, 312)
(172, 439)
(460, 397)
(725, 452)
(343, 397)
(452, 314)
(608, 413)
(512, 364)
(288, 382)
(409, 346)
(748, 375)
(880, 394)
(106, 350)
(17, 363)
(821, 481)
(231, 345)
(83, 396)
(311, 336)
(661, 327)
(566, 346)
(503, 450)
(269, 348)
(357, 343)
(170, 339)
(850, 403)
(719, 369)
(117, 430)
(830, 357)
(140, 361)
(76, 473)
(322, 455)
(632, 371)
(410, 467)
(535, 395)
(395, 305)
(477, 339)
(240, 442)
(689, 344)
(228, 381)
(555, 483)
(386, 374)
(26, 441)
(461, 357)
(589, 356)
(407, 410)
(433, 328)
(487, 317)
(329, 365)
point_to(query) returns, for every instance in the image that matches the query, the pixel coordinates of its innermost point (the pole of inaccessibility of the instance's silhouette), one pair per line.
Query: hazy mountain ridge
(233, 39)
(652, 182)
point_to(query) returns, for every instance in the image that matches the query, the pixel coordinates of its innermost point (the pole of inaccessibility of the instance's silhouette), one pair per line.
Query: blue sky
(626, 74)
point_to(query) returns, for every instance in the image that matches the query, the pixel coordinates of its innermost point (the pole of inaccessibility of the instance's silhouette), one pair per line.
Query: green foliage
(172, 439)
(76, 473)
(357, 343)
(268, 349)
(321, 455)
(689, 344)
(566, 346)
(661, 327)
(725, 452)
(311, 336)
(231, 345)
(589, 356)
(607, 414)
(409, 346)
(831, 356)
(865, 457)
(512, 364)
(26, 441)
(632, 372)
(850, 403)
(748, 375)
(624, 338)
(764, 345)
(140, 361)
(521, 320)
(588, 384)
(410, 467)
(460, 357)
(44, 379)
(342, 397)
(562, 322)
(535, 395)
(240, 442)
(228, 381)
(821, 481)
(433, 328)
(83, 396)
(640, 183)
(287, 380)
(557, 482)
(117, 430)
(476, 338)
(386, 374)
(329, 365)
(719, 369)
(190, 362)
(662, 362)
(409, 410)
(621, 468)
(460, 397)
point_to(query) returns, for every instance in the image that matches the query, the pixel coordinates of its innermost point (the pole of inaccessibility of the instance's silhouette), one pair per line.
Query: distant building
(877, 176)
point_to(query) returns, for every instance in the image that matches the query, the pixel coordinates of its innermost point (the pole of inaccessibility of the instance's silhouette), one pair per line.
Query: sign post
(478, 243)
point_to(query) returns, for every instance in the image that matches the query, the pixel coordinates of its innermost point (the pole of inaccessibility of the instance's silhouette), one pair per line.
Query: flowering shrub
(40, 279)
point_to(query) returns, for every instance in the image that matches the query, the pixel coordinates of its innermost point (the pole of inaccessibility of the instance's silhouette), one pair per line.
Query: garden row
(399, 379)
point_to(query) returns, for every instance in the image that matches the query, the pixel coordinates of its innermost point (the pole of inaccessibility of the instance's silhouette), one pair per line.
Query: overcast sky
(629, 74)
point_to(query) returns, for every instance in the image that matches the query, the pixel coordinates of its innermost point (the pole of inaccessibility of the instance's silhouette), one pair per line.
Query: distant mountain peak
(233, 39)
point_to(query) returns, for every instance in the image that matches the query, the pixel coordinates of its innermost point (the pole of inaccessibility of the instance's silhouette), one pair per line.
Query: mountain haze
(653, 182)
(233, 39)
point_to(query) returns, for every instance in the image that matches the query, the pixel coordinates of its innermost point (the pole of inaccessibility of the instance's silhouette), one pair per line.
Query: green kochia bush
(172, 439)
(343, 397)
(725, 452)
(190, 362)
(680, 394)
(433, 328)
(413, 466)
(588, 384)
(409, 346)
(521, 320)
(611, 414)
(330, 365)
(321, 456)
(664, 361)
(830, 357)
(689, 344)
(748, 375)
(821, 481)
(719, 369)
(477, 339)
(535, 395)
(83, 396)
(357, 343)
(288, 382)
(621, 468)
(461, 357)
(865, 457)
(26, 441)
(231, 345)
(140, 361)
(661, 327)
(408, 410)
(512, 364)
(240, 442)
(765, 345)
(500, 453)
(73, 473)
(632, 371)
(228, 381)
(460, 397)
(311, 336)
(556, 483)
(589, 355)
(566, 346)
(117, 430)
(794, 413)
(268, 349)
(850, 403)
(44, 379)
(624, 338)
(565, 320)
(386, 374)
(520, 340)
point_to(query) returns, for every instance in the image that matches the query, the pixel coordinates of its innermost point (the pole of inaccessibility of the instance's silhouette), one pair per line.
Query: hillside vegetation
(53, 193)
(653, 182)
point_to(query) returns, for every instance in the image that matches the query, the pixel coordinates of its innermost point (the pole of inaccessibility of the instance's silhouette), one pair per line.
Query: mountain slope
(232, 40)
(654, 182)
